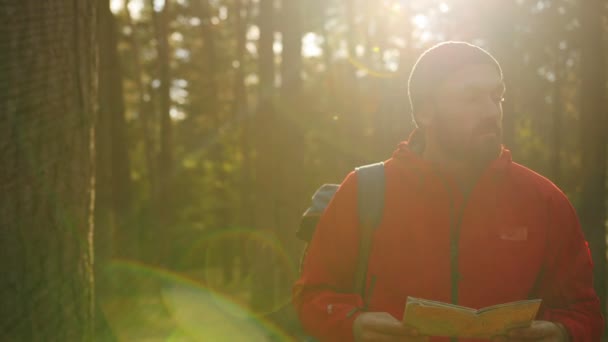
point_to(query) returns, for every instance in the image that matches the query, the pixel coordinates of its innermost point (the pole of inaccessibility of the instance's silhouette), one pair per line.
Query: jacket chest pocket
(516, 234)
(518, 248)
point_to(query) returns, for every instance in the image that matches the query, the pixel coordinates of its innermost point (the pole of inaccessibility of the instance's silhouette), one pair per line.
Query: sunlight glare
(443, 7)
(177, 114)
(251, 80)
(177, 37)
(277, 45)
(540, 5)
(135, 9)
(421, 21)
(158, 5)
(116, 6)
(182, 54)
(426, 36)
(311, 45)
(252, 48)
(179, 95)
(253, 33)
(360, 73)
(342, 51)
(223, 13)
(180, 82)
(359, 50)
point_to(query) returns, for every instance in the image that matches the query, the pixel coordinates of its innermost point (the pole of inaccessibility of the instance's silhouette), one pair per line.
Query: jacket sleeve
(566, 285)
(323, 295)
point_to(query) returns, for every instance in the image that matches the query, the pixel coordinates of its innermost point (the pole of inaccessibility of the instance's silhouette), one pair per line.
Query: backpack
(370, 206)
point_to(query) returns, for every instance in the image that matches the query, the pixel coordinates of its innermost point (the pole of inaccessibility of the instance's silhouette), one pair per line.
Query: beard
(480, 147)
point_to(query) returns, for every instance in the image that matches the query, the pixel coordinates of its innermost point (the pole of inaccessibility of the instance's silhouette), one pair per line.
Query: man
(462, 223)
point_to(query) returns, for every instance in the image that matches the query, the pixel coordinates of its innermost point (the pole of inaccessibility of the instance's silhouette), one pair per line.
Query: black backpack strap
(370, 206)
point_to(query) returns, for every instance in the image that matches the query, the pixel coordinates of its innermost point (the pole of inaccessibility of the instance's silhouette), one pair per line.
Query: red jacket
(514, 237)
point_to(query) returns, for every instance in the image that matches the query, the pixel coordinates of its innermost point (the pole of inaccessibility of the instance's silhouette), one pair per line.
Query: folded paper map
(433, 318)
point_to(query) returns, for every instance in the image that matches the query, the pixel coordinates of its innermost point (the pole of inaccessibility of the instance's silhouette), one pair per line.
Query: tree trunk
(241, 107)
(113, 167)
(291, 63)
(266, 59)
(400, 121)
(210, 67)
(594, 120)
(144, 110)
(47, 100)
(211, 71)
(558, 112)
(350, 22)
(241, 114)
(165, 158)
(265, 189)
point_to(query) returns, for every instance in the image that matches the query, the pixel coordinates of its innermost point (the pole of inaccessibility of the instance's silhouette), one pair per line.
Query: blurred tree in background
(217, 119)
(48, 96)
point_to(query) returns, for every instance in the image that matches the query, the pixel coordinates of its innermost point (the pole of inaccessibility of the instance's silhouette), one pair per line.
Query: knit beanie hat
(436, 63)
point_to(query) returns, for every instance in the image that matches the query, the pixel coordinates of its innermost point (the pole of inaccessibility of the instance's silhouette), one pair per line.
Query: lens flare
(368, 71)
(160, 302)
(247, 266)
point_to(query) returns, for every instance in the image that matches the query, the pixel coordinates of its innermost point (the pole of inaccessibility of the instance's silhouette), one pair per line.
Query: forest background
(157, 154)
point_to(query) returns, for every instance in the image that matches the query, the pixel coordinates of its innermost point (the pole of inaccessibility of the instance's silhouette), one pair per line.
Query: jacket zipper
(455, 225)
(366, 298)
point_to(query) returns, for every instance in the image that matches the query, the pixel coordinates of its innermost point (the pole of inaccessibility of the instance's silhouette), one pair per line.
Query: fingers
(536, 331)
(413, 339)
(381, 326)
(387, 324)
(371, 335)
(507, 339)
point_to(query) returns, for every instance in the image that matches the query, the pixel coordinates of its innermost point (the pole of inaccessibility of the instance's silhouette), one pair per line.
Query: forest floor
(139, 304)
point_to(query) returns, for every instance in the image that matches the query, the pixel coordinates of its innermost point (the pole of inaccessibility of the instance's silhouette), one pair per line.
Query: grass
(145, 304)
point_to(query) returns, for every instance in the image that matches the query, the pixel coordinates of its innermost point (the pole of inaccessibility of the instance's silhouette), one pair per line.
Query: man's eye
(498, 99)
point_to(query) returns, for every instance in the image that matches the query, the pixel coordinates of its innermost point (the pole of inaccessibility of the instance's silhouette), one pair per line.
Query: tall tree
(144, 110)
(113, 167)
(594, 120)
(398, 121)
(47, 100)
(265, 163)
(266, 64)
(291, 61)
(165, 158)
(241, 114)
(557, 122)
(351, 34)
(212, 108)
(210, 65)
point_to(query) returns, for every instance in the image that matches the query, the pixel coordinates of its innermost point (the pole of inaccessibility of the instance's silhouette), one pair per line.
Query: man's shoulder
(525, 178)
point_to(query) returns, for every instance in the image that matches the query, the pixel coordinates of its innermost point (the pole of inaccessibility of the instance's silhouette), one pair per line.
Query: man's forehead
(474, 77)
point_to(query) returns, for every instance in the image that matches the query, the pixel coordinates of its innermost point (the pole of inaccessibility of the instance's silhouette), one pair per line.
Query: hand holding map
(433, 318)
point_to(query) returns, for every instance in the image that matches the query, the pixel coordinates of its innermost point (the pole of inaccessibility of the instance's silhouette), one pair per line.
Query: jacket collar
(410, 151)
